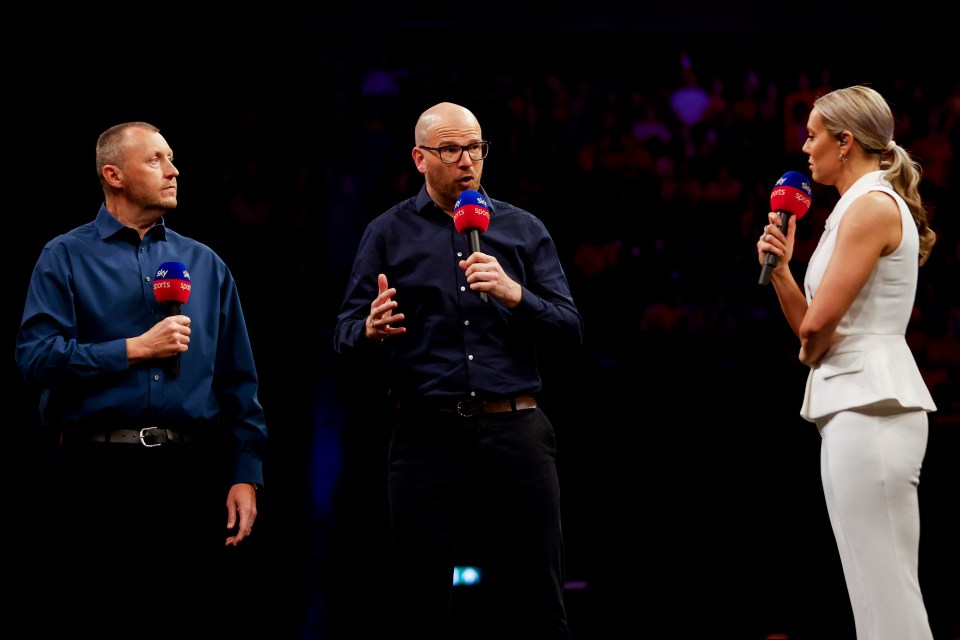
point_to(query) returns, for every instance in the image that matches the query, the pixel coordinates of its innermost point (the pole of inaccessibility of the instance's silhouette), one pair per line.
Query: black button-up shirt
(456, 345)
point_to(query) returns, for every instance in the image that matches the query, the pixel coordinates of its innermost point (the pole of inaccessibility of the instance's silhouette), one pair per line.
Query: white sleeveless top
(871, 362)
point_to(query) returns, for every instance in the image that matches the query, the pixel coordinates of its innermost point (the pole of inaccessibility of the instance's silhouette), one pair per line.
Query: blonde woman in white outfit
(864, 391)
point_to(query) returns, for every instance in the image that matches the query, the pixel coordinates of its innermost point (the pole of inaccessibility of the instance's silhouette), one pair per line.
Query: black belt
(469, 408)
(147, 436)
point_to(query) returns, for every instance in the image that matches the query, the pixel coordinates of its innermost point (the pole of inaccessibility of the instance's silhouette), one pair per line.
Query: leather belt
(469, 408)
(147, 436)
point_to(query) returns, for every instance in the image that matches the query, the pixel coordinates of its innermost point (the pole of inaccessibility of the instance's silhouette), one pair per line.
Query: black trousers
(485, 486)
(139, 542)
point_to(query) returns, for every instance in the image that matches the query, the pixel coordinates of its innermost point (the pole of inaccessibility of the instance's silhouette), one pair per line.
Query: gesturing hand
(380, 324)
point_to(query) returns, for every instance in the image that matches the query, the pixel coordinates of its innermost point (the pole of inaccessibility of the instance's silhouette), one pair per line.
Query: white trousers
(870, 468)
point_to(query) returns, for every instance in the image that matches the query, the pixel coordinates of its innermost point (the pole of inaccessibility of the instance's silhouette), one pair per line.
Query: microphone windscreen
(792, 193)
(471, 212)
(171, 283)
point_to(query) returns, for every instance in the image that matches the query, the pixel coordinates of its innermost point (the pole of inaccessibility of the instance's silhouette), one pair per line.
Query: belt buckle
(144, 442)
(461, 411)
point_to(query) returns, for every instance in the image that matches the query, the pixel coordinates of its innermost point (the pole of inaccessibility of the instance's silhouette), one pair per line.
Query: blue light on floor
(465, 576)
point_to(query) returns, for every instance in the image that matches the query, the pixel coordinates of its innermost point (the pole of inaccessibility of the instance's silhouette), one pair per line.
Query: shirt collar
(423, 199)
(109, 226)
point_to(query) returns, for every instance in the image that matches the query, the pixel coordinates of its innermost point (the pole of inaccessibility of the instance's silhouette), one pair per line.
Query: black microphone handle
(173, 309)
(772, 258)
(474, 236)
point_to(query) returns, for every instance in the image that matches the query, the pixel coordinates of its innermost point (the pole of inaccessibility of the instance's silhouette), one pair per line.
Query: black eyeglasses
(451, 153)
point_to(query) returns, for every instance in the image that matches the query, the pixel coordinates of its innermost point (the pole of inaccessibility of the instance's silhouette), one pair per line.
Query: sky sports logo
(172, 283)
(162, 273)
(472, 210)
(478, 200)
(798, 195)
(168, 284)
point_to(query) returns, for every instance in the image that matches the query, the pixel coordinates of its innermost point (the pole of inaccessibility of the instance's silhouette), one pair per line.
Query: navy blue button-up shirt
(456, 345)
(91, 289)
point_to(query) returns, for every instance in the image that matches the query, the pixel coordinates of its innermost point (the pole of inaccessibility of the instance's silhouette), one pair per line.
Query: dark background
(691, 491)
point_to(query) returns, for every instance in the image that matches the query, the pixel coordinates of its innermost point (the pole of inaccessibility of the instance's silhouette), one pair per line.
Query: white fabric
(869, 402)
(872, 362)
(870, 468)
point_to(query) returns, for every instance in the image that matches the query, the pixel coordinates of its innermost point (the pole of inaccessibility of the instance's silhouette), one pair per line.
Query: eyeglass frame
(463, 148)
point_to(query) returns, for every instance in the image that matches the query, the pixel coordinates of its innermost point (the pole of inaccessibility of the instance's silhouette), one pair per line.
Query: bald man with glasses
(472, 456)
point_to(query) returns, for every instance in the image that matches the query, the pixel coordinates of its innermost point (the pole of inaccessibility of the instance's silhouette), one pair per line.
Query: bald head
(444, 119)
(448, 125)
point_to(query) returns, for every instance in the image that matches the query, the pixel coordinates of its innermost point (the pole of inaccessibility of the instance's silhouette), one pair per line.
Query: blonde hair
(110, 145)
(865, 113)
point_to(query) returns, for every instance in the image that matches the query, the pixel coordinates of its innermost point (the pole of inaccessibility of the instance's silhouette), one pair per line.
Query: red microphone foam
(792, 194)
(471, 212)
(172, 283)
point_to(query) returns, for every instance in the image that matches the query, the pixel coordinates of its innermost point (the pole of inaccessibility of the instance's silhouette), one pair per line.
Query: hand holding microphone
(472, 216)
(791, 196)
(171, 288)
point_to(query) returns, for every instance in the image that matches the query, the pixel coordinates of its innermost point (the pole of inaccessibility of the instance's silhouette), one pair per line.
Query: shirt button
(470, 357)
(473, 394)
(459, 254)
(156, 377)
(147, 279)
(466, 322)
(463, 288)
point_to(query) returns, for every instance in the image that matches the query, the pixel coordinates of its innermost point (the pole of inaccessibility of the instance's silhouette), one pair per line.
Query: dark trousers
(139, 542)
(490, 481)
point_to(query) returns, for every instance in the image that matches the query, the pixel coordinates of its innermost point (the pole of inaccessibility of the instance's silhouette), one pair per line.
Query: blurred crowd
(652, 166)
(653, 185)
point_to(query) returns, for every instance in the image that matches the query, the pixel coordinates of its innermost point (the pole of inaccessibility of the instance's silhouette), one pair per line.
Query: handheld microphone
(171, 288)
(791, 196)
(471, 216)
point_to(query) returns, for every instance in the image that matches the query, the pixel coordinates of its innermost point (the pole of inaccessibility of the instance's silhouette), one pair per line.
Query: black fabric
(478, 491)
(139, 551)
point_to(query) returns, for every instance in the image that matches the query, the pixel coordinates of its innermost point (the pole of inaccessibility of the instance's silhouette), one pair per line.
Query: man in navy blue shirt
(470, 450)
(148, 451)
